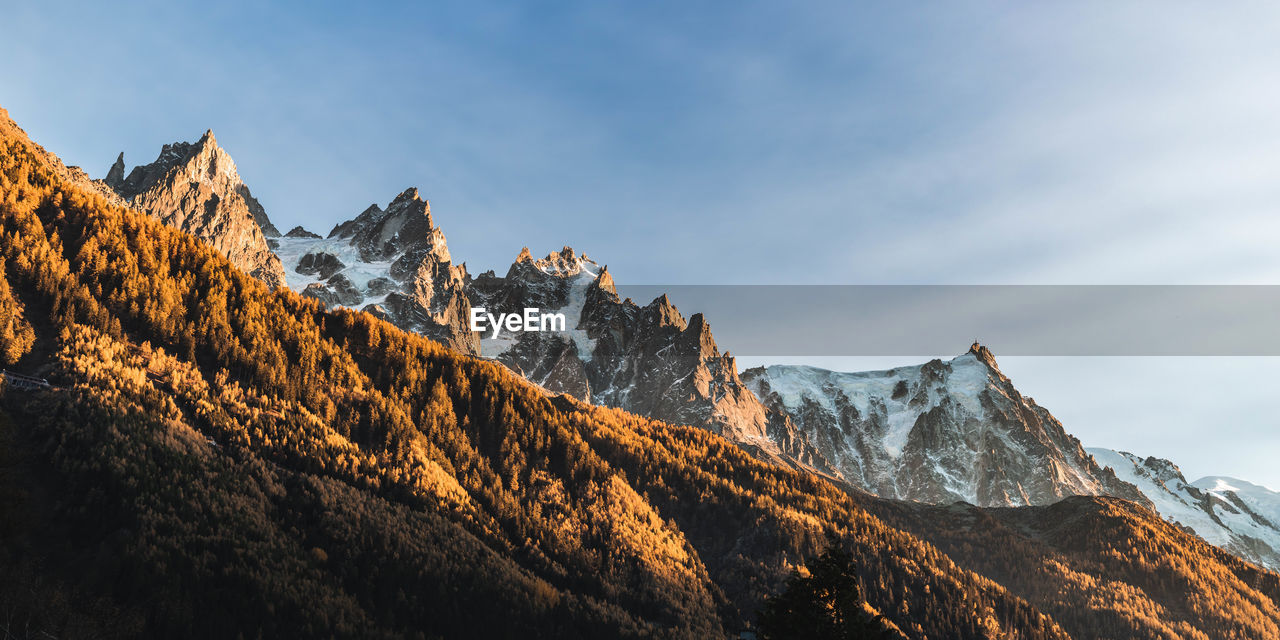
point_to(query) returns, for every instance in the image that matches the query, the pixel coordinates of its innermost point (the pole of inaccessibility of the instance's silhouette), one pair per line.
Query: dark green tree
(826, 604)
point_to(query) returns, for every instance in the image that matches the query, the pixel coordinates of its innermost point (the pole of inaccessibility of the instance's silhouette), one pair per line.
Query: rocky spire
(662, 313)
(697, 338)
(421, 289)
(408, 195)
(604, 283)
(115, 176)
(984, 354)
(195, 187)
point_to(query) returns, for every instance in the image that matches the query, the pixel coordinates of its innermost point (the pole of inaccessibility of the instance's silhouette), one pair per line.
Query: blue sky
(697, 143)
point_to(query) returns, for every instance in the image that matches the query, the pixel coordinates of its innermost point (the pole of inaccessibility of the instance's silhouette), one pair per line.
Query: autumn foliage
(221, 460)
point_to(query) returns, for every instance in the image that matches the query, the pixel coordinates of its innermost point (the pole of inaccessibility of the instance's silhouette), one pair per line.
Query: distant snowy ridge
(1259, 499)
(1237, 516)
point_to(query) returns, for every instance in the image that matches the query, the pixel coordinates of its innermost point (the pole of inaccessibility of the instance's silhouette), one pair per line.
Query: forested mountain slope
(1102, 567)
(216, 459)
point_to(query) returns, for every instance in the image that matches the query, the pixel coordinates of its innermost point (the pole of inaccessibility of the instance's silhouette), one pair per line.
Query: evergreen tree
(826, 604)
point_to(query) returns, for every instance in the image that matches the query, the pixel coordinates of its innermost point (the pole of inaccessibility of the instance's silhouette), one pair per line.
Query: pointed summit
(984, 354)
(349, 228)
(524, 256)
(408, 195)
(604, 282)
(115, 175)
(404, 226)
(664, 314)
(698, 339)
(195, 187)
(565, 262)
(396, 265)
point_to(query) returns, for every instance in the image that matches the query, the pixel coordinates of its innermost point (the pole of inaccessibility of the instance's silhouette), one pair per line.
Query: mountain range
(287, 455)
(940, 432)
(395, 264)
(937, 433)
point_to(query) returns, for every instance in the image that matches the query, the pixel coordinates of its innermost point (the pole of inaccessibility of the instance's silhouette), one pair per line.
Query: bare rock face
(347, 293)
(115, 176)
(671, 369)
(195, 187)
(395, 262)
(648, 360)
(552, 361)
(939, 432)
(319, 263)
(548, 283)
(321, 292)
(379, 286)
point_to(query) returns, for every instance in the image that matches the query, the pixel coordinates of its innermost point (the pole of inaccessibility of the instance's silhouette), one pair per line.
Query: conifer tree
(826, 604)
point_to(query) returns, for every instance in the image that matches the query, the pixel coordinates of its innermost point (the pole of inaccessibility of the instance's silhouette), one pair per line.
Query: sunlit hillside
(215, 459)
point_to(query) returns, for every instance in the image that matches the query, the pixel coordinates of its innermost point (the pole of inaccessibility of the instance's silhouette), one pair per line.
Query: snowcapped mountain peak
(1152, 470)
(1219, 484)
(938, 432)
(604, 282)
(405, 226)
(392, 262)
(1224, 483)
(567, 263)
(1261, 503)
(1163, 470)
